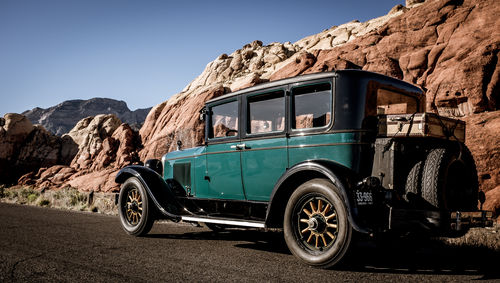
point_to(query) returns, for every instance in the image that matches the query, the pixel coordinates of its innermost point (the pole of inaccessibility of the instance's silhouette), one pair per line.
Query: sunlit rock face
(449, 48)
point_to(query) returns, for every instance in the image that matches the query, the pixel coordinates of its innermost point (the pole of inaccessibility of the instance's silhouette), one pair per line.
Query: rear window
(391, 102)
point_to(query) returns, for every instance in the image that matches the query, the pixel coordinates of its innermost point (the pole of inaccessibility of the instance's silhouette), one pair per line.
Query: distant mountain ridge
(60, 119)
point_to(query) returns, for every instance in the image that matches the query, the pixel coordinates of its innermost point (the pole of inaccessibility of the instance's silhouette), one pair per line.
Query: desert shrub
(26, 192)
(77, 198)
(58, 195)
(32, 197)
(10, 194)
(44, 202)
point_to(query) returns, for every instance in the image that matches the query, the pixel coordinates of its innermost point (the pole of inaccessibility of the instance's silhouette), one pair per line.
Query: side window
(312, 106)
(266, 113)
(224, 120)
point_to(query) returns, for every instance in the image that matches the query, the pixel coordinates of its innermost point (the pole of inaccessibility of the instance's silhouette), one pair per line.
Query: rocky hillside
(60, 119)
(25, 147)
(450, 48)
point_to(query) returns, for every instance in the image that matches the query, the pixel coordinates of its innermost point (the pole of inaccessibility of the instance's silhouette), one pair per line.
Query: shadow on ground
(396, 255)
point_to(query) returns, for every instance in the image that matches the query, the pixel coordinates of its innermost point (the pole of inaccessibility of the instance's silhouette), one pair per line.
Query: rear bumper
(438, 221)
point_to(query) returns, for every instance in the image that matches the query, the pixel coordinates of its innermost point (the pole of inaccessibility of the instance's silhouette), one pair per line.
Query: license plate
(364, 198)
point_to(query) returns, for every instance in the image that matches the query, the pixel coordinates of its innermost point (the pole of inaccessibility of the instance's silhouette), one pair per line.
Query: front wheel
(135, 208)
(316, 224)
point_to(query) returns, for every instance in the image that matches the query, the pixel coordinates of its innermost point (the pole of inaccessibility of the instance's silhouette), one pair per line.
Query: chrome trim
(183, 157)
(266, 148)
(271, 148)
(220, 152)
(225, 222)
(328, 144)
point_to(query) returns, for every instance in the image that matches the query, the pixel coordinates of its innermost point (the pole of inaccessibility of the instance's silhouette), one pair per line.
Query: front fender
(158, 190)
(338, 174)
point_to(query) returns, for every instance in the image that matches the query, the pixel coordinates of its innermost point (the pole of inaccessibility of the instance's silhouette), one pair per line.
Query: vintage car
(319, 156)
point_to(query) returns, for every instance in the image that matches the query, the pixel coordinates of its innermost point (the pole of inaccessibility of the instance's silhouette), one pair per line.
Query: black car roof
(314, 76)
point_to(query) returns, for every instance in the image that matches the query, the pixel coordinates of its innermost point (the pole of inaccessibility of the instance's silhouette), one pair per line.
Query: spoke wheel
(316, 224)
(135, 208)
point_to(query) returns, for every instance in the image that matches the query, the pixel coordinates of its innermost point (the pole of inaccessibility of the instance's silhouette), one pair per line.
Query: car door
(311, 105)
(264, 146)
(223, 158)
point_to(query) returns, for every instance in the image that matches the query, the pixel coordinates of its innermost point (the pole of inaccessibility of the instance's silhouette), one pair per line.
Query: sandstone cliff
(102, 145)
(25, 147)
(449, 48)
(60, 119)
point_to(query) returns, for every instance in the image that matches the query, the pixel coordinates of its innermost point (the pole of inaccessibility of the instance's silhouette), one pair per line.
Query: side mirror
(203, 111)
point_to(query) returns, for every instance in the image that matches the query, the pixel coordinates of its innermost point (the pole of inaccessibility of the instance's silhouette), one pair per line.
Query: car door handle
(238, 146)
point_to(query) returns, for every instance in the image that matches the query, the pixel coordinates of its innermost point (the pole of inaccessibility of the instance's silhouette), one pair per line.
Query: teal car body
(305, 155)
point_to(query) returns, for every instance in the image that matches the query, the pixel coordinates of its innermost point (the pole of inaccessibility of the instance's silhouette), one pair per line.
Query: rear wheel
(135, 208)
(316, 225)
(449, 180)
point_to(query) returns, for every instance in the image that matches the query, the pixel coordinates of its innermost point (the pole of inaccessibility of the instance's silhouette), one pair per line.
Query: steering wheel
(228, 132)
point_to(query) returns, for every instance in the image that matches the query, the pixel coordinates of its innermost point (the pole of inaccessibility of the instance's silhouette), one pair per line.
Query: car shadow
(251, 238)
(422, 256)
(396, 255)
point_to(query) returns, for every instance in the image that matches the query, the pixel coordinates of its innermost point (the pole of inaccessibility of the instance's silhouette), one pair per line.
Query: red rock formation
(450, 48)
(483, 141)
(493, 201)
(25, 148)
(104, 146)
(176, 119)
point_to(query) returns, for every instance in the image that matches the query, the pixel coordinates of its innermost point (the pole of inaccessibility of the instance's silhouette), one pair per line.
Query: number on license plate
(364, 198)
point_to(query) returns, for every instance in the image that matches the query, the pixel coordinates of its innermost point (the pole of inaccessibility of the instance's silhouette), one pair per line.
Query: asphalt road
(41, 244)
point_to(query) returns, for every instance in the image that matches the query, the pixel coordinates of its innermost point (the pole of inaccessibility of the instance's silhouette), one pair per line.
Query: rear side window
(224, 120)
(312, 106)
(266, 113)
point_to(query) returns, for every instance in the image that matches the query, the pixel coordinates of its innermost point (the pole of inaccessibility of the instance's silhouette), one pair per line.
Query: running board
(247, 223)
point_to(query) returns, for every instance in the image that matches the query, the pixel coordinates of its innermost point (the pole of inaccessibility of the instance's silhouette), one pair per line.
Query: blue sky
(142, 52)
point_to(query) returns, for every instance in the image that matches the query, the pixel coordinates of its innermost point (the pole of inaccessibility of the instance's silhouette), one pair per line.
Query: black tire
(316, 225)
(449, 180)
(137, 212)
(413, 187)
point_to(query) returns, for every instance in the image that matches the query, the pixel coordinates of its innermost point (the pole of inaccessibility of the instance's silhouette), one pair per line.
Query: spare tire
(413, 186)
(449, 179)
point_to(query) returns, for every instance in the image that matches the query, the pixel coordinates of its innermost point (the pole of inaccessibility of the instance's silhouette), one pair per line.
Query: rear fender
(158, 190)
(339, 175)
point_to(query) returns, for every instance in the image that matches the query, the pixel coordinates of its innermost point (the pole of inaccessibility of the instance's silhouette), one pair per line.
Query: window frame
(245, 113)
(208, 124)
(291, 109)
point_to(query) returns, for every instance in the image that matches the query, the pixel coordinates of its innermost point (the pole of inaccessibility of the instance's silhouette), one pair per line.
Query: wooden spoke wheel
(316, 225)
(135, 208)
